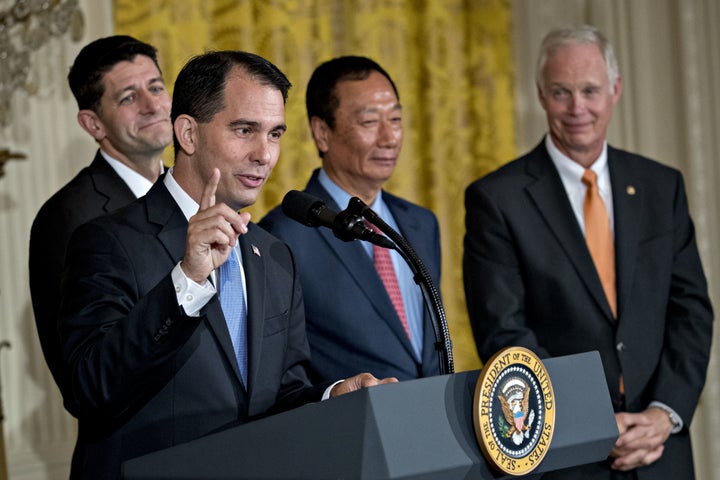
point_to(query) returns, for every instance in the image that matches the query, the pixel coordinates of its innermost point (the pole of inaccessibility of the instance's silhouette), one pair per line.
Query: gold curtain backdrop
(451, 61)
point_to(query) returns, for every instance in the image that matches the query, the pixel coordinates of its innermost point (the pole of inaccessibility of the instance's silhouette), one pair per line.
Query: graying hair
(577, 35)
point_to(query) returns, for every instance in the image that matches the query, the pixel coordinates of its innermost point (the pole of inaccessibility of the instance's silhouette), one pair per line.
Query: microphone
(312, 211)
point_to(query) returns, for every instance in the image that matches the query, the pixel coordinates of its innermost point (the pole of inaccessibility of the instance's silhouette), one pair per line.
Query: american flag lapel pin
(255, 250)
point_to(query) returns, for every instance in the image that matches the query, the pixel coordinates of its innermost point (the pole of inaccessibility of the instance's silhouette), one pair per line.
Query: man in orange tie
(579, 246)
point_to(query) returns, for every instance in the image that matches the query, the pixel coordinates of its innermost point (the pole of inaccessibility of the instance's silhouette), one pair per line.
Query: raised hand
(212, 232)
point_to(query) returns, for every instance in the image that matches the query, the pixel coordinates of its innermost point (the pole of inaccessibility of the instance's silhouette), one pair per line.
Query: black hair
(200, 86)
(320, 97)
(96, 59)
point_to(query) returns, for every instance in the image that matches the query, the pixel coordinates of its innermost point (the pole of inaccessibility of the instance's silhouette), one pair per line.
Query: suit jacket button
(620, 347)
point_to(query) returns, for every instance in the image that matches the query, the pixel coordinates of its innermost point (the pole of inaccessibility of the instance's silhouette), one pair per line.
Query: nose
(577, 103)
(263, 151)
(148, 101)
(388, 134)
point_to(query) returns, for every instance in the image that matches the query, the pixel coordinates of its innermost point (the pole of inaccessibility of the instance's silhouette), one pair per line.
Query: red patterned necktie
(599, 238)
(384, 267)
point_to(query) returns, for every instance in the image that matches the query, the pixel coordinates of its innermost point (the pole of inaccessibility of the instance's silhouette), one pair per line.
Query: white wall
(667, 50)
(39, 434)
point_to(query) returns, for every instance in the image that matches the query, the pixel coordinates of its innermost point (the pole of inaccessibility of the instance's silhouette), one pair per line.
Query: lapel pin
(630, 190)
(256, 250)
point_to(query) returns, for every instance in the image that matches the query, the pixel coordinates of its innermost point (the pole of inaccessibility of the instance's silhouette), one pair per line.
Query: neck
(363, 190)
(584, 160)
(147, 166)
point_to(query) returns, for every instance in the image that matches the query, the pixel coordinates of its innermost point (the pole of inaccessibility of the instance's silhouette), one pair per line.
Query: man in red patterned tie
(358, 317)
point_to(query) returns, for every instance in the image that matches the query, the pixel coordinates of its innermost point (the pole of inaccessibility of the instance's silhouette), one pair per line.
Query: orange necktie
(599, 238)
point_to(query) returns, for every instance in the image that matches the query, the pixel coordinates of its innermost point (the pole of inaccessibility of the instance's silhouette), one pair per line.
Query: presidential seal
(514, 411)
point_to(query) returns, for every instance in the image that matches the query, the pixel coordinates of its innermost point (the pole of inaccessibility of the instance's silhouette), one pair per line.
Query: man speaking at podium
(579, 246)
(361, 316)
(180, 317)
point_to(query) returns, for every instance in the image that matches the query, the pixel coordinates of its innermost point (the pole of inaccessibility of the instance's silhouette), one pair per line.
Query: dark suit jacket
(530, 281)
(96, 190)
(145, 376)
(351, 323)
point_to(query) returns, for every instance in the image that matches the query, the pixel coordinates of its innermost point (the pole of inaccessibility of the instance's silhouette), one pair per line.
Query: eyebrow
(397, 106)
(133, 87)
(120, 93)
(255, 125)
(157, 79)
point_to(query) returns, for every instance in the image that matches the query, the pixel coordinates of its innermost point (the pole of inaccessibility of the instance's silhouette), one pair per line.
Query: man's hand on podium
(357, 382)
(642, 438)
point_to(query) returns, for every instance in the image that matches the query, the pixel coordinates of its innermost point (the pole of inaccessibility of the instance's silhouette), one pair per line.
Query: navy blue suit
(145, 376)
(351, 323)
(530, 281)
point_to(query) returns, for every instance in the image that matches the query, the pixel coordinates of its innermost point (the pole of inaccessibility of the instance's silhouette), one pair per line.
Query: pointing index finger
(208, 195)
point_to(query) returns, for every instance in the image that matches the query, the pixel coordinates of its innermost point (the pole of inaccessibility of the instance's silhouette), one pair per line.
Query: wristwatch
(674, 419)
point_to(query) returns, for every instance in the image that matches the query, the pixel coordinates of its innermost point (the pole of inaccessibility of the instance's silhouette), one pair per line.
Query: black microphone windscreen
(303, 207)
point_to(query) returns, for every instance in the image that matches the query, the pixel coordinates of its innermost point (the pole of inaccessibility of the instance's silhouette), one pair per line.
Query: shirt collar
(188, 206)
(138, 184)
(342, 198)
(570, 171)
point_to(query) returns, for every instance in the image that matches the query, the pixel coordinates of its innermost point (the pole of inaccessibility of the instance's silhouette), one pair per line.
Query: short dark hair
(321, 98)
(200, 86)
(96, 59)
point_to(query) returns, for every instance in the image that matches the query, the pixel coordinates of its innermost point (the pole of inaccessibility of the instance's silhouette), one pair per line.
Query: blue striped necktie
(232, 300)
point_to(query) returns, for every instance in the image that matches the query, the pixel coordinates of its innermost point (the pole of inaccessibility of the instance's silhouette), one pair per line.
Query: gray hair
(577, 35)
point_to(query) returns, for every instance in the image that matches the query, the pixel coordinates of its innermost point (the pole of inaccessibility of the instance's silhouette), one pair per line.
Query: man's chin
(237, 203)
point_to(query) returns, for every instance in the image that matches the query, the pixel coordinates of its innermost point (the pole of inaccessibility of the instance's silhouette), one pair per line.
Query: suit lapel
(254, 267)
(550, 197)
(360, 267)
(108, 184)
(172, 232)
(169, 219)
(351, 254)
(627, 205)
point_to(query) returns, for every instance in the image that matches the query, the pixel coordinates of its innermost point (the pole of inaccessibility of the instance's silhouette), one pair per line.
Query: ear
(320, 132)
(91, 123)
(185, 128)
(617, 91)
(541, 96)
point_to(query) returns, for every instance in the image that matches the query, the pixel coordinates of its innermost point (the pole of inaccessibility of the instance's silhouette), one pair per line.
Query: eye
(559, 93)
(591, 91)
(276, 134)
(127, 99)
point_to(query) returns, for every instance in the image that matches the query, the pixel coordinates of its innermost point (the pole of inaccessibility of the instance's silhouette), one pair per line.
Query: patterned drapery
(451, 61)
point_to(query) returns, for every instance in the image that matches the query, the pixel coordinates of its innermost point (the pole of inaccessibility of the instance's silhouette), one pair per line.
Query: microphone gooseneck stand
(357, 208)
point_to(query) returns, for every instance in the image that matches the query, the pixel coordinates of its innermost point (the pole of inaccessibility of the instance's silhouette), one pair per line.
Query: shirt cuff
(326, 395)
(191, 295)
(675, 419)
